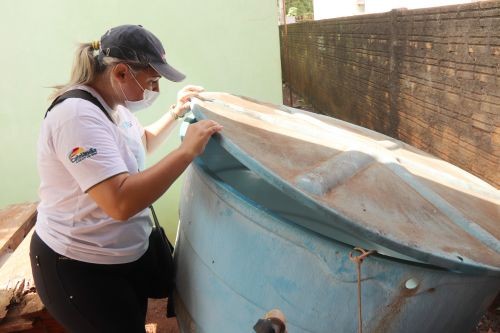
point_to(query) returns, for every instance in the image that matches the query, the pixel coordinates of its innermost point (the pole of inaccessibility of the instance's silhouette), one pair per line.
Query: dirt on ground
(490, 322)
(156, 319)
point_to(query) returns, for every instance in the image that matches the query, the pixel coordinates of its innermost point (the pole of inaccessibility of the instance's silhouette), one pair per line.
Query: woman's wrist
(174, 112)
(185, 154)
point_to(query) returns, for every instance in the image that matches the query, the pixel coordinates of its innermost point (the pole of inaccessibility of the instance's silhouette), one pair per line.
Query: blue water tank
(254, 235)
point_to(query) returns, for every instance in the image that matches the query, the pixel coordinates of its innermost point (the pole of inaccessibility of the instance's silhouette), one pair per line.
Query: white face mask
(148, 97)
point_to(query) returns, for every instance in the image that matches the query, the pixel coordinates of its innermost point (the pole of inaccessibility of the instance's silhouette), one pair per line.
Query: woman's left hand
(184, 97)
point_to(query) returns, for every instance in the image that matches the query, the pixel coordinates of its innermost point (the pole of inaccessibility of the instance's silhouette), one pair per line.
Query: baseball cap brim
(168, 72)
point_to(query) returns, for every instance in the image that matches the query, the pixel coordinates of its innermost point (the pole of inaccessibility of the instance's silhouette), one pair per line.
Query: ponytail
(85, 68)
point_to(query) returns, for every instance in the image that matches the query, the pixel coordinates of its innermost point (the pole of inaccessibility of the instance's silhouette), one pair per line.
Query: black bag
(162, 269)
(163, 275)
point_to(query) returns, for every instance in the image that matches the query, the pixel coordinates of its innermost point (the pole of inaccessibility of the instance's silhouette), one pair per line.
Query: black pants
(92, 298)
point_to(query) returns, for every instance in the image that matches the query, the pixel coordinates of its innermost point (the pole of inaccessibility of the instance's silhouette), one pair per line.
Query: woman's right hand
(197, 136)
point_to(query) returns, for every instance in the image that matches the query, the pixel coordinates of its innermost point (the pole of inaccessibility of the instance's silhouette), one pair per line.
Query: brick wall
(429, 77)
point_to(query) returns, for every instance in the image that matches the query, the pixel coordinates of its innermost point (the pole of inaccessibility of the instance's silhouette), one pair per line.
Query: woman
(90, 253)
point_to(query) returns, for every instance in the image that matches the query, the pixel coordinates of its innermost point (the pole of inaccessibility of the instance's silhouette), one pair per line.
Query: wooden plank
(15, 222)
(41, 322)
(20, 306)
(16, 325)
(16, 279)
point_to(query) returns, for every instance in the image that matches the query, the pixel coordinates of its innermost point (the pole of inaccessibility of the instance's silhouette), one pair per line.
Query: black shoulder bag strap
(82, 94)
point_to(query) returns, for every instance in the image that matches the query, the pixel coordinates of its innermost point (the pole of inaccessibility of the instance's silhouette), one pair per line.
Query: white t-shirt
(78, 148)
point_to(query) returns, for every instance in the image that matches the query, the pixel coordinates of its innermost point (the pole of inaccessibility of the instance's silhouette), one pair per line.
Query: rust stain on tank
(394, 308)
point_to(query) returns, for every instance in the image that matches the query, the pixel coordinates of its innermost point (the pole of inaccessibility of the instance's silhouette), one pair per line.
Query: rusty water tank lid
(378, 189)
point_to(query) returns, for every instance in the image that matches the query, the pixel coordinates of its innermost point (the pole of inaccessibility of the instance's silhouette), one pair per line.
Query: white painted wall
(377, 6)
(324, 9)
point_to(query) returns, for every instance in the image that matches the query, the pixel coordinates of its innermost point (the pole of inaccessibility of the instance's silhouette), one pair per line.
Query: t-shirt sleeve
(87, 145)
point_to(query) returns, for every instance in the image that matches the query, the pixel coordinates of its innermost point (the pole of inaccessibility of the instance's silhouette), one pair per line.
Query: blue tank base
(237, 260)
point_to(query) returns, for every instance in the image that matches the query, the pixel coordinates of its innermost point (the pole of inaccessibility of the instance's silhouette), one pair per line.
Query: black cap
(135, 44)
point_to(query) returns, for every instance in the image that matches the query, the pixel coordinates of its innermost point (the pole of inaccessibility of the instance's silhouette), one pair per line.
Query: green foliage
(303, 7)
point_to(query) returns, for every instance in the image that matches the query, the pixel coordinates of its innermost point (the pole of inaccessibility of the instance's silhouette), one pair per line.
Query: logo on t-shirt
(126, 124)
(78, 154)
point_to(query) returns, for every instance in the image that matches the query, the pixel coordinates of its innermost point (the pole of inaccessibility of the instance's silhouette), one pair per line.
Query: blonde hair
(86, 67)
(83, 71)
